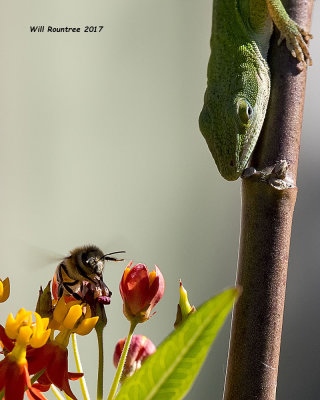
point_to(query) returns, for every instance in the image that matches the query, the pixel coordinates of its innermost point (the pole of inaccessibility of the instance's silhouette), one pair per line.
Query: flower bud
(44, 303)
(184, 307)
(140, 290)
(140, 348)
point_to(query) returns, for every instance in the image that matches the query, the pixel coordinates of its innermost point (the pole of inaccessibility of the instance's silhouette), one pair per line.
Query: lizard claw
(281, 38)
(297, 40)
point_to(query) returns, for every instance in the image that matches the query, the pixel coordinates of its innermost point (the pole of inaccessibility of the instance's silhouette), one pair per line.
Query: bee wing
(39, 257)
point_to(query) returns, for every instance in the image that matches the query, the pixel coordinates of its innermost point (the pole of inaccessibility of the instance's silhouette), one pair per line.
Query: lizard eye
(245, 111)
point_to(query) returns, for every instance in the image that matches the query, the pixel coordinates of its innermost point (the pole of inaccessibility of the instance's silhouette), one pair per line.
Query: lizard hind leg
(297, 38)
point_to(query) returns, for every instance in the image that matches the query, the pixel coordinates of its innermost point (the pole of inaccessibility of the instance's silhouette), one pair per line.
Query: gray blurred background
(100, 144)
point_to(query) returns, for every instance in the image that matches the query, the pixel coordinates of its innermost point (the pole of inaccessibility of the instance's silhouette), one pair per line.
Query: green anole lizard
(238, 88)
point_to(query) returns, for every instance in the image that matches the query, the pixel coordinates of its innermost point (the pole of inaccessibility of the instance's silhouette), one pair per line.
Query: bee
(84, 264)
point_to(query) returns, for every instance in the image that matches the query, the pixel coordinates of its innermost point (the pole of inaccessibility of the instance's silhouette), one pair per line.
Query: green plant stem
(36, 376)
(56, 393)
(82, 380)
(122, 360)
(99, 331)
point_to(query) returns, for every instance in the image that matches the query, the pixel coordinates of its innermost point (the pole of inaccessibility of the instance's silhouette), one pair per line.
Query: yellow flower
(26, 332)
(72, 317)
(4, 289)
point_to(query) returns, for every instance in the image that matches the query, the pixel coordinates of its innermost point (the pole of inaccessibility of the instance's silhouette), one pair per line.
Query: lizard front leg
(297, 39)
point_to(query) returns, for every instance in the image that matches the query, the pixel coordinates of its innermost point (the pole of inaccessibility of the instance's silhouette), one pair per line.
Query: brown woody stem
(268, 201)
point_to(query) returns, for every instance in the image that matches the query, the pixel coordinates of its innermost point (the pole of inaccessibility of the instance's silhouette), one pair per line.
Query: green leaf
(171, 370)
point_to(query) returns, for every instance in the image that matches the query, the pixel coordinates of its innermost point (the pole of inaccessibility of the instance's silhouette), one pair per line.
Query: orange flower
(140, 291)
(14, 377)
(54, 359)
(140, 348)
(19, 333)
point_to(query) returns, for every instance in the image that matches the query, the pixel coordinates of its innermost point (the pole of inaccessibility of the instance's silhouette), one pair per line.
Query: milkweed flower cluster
(67, 318)
(35, 344)
(19, 334)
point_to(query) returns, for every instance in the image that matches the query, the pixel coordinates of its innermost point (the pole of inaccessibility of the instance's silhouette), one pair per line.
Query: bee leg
(60, 290)
(67, 287)
(109, 291)
(105, 289)
(76, 296)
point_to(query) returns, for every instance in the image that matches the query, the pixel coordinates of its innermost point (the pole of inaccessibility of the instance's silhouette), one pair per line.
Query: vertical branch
(268, 201)
(101, 324)
(99, 332)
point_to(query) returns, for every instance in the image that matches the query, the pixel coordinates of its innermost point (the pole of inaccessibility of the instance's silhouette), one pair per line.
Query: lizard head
(232, 116)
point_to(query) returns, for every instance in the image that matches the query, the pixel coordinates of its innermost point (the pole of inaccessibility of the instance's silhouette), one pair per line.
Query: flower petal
(140, 348)
(3, 368)
(140, 291)
(15, 381)
(35, 394)
(60, 311)
(72, 317)
(7, 343)
(4, 290)
(74, 376)
(57, 367)
(157, 287)
(13, 324)
(40, 334)
(86, 326)
(41, 387)
(32, 393)
(137, 288)
(24, 335)
(39, 358)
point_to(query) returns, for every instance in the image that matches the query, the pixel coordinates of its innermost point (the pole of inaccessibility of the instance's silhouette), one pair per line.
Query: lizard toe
(297, 43)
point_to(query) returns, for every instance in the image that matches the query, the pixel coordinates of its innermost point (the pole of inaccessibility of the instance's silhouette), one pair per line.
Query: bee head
(106, 257)
(93, 259)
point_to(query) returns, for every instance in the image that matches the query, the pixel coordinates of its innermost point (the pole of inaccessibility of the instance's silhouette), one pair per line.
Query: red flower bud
(140, 348)
(140, 291)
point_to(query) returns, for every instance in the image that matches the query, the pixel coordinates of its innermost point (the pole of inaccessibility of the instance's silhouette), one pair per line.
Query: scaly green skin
(238, 87)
